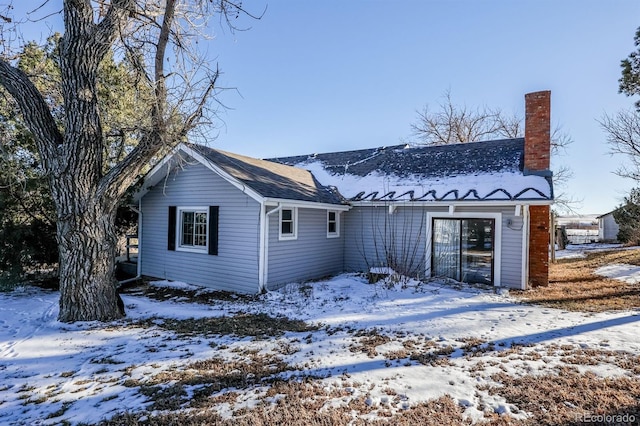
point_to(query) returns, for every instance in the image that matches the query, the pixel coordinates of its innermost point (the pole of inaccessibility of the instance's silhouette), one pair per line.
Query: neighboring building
(608, 228)
(475, 212)
(580, 229)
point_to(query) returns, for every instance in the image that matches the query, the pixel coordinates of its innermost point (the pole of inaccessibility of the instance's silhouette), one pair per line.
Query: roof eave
(156, 174)
(306, 204)
(457, 203)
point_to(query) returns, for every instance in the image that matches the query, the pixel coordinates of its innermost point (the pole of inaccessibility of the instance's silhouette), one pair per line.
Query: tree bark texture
(74, 164)
(85, 194)
(87, 243)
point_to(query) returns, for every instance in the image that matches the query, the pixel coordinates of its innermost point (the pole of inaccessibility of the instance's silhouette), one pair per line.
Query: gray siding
(312, 255)
(235, 268)
(376, 238)
(373, 237)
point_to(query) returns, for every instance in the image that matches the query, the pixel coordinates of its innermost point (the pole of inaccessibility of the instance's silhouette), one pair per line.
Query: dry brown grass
(143, 287)
(193, 394)
(368, 341)
(296, 408)
(569, 397)
(257, 325)
(169, 390)
(574, 286)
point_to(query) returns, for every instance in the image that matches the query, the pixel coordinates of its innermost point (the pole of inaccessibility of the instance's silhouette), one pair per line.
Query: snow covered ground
(372, 340)
(83, 372)
(579, 250)
(627, 273)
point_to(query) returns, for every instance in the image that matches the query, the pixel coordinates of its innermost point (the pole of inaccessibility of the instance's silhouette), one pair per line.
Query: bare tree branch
(623, 137)
(161, 39)
(35, 111)
(451, 124)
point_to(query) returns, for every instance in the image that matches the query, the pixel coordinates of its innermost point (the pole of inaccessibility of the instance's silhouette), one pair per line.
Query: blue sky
(318, 76)
(336, 75)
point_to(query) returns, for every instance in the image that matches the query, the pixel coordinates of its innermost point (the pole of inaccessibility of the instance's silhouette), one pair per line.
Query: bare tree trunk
(84, 191)
(87, 243)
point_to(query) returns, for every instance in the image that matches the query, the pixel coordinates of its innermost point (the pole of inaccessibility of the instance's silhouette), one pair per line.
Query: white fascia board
(150, 179)
(271, 202)
(263, 248)
(448, 204)
(154, 176)
(226, 176)
(524, 284)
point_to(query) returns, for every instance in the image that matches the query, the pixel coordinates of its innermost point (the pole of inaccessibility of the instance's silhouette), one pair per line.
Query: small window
(288, 224)
(333, 224)
(192, 228)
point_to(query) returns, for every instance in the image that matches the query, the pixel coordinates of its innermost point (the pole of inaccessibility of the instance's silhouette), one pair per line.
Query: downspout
(524, 285)
(265, 247)
(139, 262)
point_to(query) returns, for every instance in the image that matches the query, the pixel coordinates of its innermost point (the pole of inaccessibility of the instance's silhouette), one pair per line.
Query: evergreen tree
(630, 80)
(27, 212)
(627, 217)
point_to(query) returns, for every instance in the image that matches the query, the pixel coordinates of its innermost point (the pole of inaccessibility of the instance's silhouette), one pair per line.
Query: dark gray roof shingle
(428, 162)
(431, 173)
(269, 179)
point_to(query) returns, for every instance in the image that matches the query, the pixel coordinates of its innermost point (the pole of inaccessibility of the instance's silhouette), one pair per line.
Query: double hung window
(289, 224)
(193, 229)
(333, 224)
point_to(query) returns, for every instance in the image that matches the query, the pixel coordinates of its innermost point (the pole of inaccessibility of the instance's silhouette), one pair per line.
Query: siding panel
(235, 268)
(371, 234)
(312, 255)
(376, 238)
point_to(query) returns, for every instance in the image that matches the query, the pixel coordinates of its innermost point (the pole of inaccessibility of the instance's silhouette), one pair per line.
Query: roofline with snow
(455, 203)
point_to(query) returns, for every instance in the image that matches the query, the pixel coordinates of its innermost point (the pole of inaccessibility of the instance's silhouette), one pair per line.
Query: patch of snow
(382, 270)
(46, 365)
(580, 250)
(174, 284)
(630, 274)
(484, 184)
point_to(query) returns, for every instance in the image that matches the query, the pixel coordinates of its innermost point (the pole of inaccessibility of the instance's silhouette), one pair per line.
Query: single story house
(608, 228)
(474, 212)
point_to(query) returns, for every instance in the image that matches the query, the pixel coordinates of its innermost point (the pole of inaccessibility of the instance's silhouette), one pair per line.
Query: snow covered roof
(486, 171)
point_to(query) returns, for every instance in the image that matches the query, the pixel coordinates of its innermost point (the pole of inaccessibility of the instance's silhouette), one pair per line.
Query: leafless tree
(623, 137)
(451, 123)
(159, 37)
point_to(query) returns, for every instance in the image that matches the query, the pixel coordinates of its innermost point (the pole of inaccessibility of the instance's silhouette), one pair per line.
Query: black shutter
(171, 235)
(213, 229)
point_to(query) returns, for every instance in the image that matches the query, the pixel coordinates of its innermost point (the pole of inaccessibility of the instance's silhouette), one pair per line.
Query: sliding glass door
(463, 249)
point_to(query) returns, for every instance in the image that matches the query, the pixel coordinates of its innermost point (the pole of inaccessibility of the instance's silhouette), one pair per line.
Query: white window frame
(336, 233)
(294, 225)
(179, 230)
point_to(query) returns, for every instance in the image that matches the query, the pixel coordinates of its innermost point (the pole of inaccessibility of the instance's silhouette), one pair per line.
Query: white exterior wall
(608, 228)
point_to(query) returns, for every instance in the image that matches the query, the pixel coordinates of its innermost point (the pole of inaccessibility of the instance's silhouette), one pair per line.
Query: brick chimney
(537, 152)
(537, 131)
